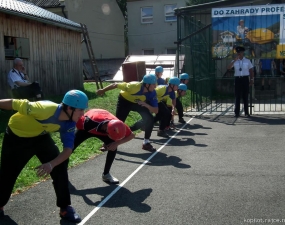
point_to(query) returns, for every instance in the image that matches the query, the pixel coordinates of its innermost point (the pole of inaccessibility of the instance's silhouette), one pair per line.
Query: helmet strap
(147, 87)
(171, 86)
(69, 116)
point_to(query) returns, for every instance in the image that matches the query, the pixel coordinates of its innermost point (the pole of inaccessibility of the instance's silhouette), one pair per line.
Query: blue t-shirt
(160, 81)
(265, 64)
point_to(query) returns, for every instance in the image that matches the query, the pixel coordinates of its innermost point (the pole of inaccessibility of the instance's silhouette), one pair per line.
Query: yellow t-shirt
(169, 100)
(38, 118)
(163, 94)
(133, 92)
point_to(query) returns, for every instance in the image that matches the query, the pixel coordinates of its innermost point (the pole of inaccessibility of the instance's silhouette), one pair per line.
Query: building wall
(58, 11)
(158, 35)
(55, 55)
(105, 23)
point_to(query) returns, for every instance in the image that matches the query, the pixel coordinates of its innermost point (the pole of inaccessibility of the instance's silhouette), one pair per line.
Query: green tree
(197, 2)
(123, 6)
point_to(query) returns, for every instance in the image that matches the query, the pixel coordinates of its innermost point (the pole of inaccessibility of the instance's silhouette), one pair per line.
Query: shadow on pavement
(66, 222)
(6, 220)
(187, 126)
(196, 126)
(265, 119)
(133, 200)
(161, 160)
(178, 141)
(271, 119)
(183, 141)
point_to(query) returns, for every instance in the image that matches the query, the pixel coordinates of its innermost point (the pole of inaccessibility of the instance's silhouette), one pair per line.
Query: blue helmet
(182, 87)
(174, 81)
(184, 76)
(159, 69)
(76, 99)
(149, 79)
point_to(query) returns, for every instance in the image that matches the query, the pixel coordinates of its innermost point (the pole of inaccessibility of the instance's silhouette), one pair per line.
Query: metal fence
(211, 84)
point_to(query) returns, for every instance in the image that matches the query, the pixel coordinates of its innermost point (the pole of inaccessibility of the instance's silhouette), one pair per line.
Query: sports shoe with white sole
(110, 179)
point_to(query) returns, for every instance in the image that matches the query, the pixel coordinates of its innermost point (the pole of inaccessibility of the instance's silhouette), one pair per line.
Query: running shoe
(69, 214)
(110, 179)
(148, 147)
(162, 133)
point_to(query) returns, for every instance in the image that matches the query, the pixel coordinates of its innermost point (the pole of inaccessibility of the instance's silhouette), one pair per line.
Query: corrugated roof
(33, 12)
(45, 3)
(167, 61)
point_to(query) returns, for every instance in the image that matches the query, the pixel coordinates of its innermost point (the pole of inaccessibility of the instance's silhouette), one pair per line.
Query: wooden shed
(50, 46)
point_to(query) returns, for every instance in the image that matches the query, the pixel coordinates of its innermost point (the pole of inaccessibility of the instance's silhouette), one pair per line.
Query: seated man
(20, 85)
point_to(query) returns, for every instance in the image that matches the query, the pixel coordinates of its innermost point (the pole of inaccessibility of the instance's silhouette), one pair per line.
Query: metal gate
(211, 84)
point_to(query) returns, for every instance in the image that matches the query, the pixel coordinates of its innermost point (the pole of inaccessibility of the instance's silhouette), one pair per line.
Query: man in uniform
(244, 76)
(19, 82)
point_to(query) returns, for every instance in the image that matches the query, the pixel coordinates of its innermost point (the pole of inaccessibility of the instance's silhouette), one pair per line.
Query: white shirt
(13, 76)
(245, 65)
(241, 30)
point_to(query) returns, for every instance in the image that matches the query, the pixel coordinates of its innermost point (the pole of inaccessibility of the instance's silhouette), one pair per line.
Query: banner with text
(259, 29)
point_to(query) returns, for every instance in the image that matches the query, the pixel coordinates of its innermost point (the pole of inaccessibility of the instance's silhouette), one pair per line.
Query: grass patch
(88, 149)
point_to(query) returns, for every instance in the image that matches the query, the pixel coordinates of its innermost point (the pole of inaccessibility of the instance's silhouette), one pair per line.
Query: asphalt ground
(214, 170)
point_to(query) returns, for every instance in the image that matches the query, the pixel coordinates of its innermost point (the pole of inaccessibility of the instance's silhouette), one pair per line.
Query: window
(169, 13)
(146, 15)
(148, 51)
(171, 51)
(16, 47)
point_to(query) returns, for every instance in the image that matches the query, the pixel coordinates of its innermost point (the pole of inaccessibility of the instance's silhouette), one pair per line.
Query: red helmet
(116, 130)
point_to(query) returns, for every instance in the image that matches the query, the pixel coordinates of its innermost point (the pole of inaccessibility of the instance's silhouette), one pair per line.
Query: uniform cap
(240, 49)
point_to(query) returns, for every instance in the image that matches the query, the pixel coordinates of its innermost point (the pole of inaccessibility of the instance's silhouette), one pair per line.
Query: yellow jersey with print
(39, 118)
(169, 100)
(133, 92)
(162, 93)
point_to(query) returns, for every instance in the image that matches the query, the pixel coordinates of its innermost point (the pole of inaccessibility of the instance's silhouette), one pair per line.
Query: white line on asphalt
(129, 177)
